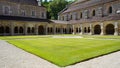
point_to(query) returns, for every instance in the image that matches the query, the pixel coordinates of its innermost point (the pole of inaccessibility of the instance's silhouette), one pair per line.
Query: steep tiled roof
(28, 2)
(86, 4)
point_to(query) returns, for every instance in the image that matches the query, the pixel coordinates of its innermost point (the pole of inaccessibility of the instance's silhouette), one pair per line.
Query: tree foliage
(54, 7)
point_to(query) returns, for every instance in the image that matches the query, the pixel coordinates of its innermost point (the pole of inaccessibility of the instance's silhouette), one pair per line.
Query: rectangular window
(33, 13)
(7, 10)
(23, 13)
(42, 14)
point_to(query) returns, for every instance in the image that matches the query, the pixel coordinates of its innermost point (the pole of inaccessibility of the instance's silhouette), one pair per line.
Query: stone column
(116, 28)
(82, 31)
(12, 29)
(61, 29)
(25, 27)
(67, 28)
(46, 30)
(91, 29)
(36, 29)
(102, 29)
(74, 30)
(54, 29)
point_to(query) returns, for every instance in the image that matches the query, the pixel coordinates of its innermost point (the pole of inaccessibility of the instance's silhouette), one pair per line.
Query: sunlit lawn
(64, 52)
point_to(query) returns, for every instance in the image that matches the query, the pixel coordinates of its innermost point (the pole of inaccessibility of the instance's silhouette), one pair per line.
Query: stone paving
(13, 57)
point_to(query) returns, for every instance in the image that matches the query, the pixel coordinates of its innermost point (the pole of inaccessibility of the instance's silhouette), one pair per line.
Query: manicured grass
(64, 52)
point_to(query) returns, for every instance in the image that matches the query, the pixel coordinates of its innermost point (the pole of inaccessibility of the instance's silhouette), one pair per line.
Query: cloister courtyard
(66, 50)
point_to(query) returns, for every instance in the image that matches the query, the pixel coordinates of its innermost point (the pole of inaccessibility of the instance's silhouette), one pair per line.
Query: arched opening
(28, 30)
(110, 10)
(97, 29)
(48, 30)
(33, 30)
(58, 30)
(7, 29)
(88, 29)
(21, 30)
(51, 30)
(1, 29)
(70, 30)
(85, 30)
(41, 30)
(110, 29)
(16, 29)
(65, 30)
(79, 30)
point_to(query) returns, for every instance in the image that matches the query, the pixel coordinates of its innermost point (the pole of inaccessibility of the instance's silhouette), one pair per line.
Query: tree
(54, 7)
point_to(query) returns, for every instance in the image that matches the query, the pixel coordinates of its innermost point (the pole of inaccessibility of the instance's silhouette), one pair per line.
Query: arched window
(21, 29)
(16, 29)
(33, 13)
(81, 15)
(110, 10)
(7, 29)
(93, 13)
(6, 10)
(1, 29)
(70, 17)
(28, 30)
(33, 29)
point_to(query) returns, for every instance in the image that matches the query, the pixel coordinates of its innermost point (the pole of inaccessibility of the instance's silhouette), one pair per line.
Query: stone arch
(88, 29)
(7, 29)
(16, 29)
(2, 29)
(97, 29)
(33, 30)
(28, 30)
(58, 30)
(110, 29)
(85, 30)
(51, 30)
(41, 30)
(79, 29)
(48, 29)
(70, 30)
(21, 30)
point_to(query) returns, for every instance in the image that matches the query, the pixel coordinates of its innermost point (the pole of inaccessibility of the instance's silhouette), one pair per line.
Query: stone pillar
(12, 29)
(74, 30)
(116, 28)
(54, 29)
(61, 29)
(82, 31)
(25, 27)
(67, 28)
(36, 29)
(102, 29)
(91, 29)
(46, 30)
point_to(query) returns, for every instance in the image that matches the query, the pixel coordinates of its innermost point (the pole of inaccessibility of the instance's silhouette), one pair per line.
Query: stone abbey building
(100, 17)
(28, 17)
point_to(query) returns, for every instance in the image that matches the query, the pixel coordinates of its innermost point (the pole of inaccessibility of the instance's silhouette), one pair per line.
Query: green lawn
(64, 52)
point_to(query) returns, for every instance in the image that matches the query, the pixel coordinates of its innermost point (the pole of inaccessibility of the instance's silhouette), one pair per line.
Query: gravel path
(13, 57)
(107, 61)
